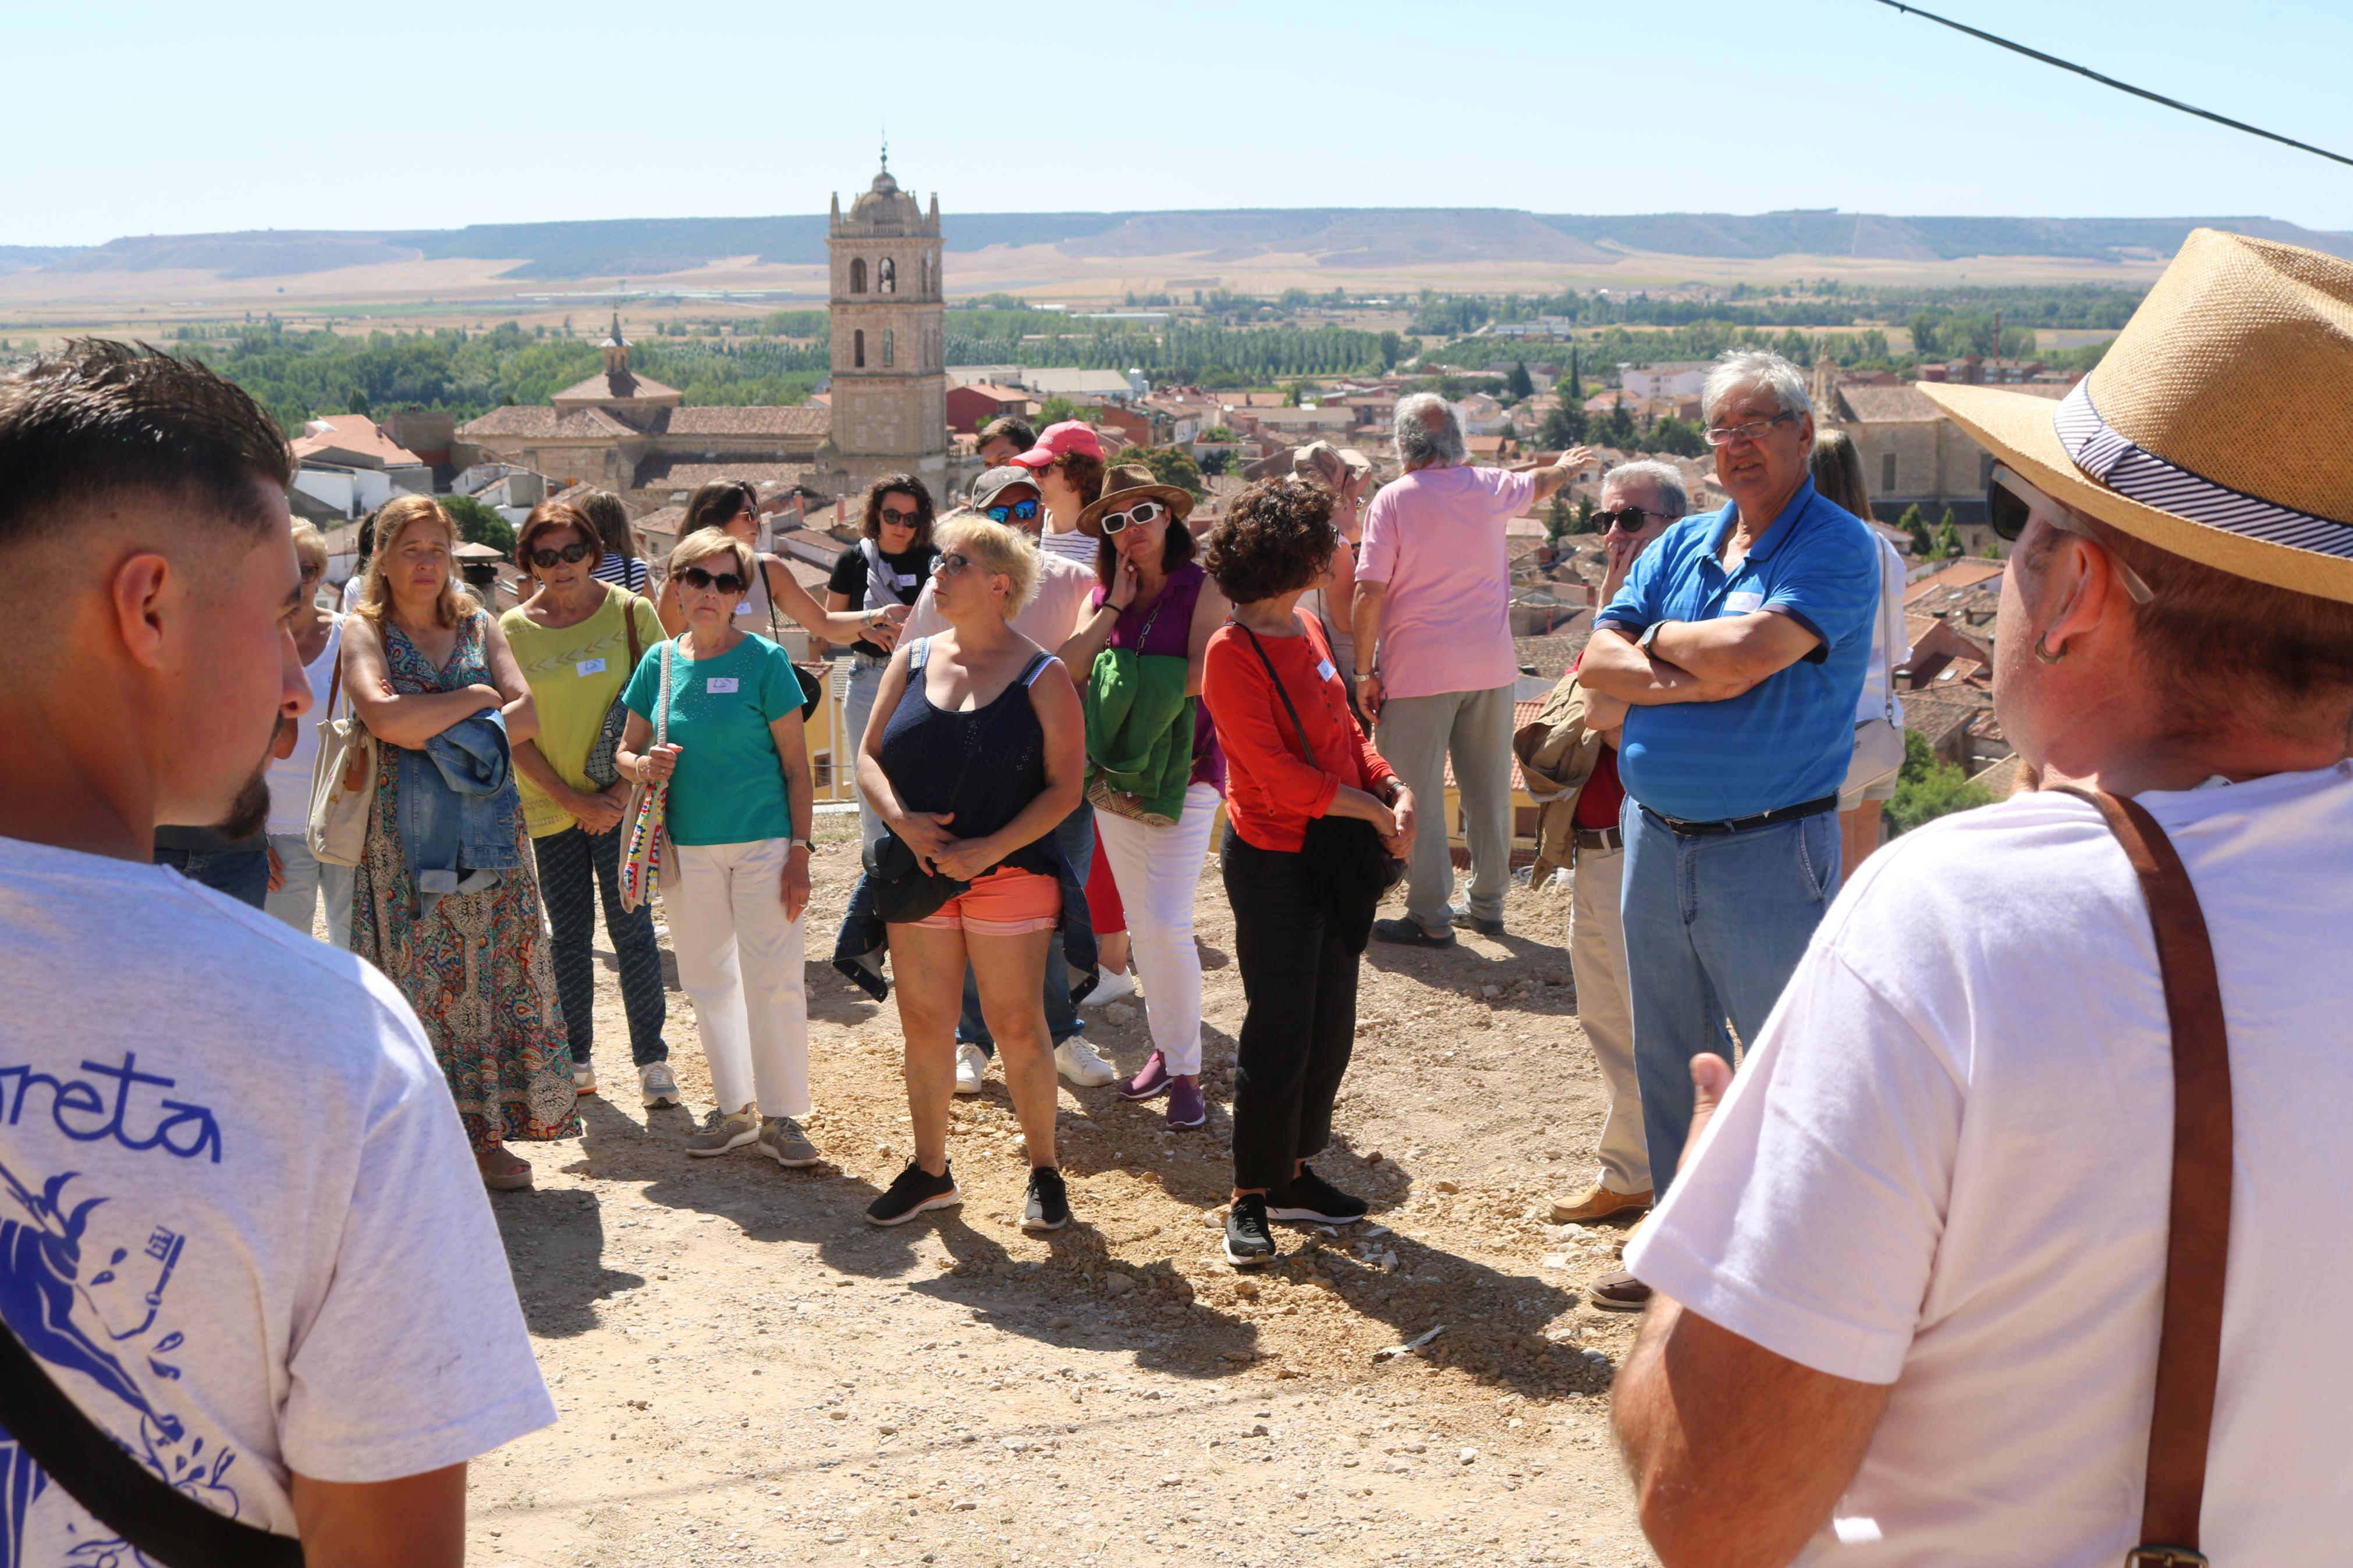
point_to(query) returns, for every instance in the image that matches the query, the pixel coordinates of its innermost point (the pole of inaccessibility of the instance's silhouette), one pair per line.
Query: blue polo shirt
(1790, 738)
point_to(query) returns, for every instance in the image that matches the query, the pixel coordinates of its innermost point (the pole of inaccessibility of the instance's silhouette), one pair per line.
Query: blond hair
(704, 542)
(309, 545)
(399, 516)
(996, 548)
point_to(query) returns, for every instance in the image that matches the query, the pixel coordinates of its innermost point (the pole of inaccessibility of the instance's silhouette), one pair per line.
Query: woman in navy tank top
(975, 755)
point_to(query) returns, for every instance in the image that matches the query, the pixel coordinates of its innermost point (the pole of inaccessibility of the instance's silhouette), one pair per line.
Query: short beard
(251, 812)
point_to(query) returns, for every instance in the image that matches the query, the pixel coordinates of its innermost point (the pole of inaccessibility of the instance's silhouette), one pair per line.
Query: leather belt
(1600, 838)
(1743, 823)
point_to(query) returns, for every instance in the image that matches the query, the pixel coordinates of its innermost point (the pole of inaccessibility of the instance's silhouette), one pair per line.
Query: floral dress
(477, 968)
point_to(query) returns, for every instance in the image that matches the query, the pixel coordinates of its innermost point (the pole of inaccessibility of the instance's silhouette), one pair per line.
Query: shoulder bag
(1879, 742)
(812, 686)
(342, 782)
(600, 769)
(163, 1524)
(1347, 865)
(649, 802)
(2197, 1239)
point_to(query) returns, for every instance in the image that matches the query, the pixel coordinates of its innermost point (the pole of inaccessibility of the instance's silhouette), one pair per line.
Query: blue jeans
(1077, 837)
(1715, 926)
(242, 874)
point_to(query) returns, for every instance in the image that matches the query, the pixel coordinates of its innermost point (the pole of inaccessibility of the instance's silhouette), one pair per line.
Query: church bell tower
(889, 335)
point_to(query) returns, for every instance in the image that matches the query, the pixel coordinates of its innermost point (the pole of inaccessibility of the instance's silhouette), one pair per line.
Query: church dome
(884, 204)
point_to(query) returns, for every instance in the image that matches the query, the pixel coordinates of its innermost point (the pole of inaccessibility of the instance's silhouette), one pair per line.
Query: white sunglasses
(1112, 522)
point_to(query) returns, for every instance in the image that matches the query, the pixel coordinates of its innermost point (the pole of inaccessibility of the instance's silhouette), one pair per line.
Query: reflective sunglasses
(1626, 519)
(1012, 511)
(2011, 503)
(725, 581)
(570, 555)
(1112, 522)
(1725, 434)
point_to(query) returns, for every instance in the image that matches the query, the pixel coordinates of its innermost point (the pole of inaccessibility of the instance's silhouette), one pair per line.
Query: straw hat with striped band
(2220, 425)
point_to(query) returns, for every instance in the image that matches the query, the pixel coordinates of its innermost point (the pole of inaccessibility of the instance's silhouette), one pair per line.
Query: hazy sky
(134, 117)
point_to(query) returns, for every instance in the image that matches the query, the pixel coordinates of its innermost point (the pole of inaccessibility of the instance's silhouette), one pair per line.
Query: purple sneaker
(1151, 1083)
(1186, 1107)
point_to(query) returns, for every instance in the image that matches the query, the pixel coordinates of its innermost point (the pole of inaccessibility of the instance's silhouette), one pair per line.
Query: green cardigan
(1139, 727)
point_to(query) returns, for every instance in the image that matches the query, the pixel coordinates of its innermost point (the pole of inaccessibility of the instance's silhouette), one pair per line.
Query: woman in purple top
(1157, 603)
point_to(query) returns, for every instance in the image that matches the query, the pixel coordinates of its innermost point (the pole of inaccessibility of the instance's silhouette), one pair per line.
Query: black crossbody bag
(1347, 865)
(164, 1524)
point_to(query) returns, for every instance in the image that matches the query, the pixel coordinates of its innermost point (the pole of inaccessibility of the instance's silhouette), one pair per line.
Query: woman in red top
(1299, 971)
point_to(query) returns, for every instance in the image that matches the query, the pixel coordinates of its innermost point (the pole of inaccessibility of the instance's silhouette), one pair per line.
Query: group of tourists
(1925, 1277)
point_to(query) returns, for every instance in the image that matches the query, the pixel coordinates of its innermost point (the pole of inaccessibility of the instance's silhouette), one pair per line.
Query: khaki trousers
(1596, 957)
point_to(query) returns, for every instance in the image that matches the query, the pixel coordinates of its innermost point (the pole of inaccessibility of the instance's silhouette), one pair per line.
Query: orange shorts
(1007, 903)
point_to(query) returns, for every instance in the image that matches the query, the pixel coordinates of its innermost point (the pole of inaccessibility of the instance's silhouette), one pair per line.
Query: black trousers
(576, 868)
(1300, 981)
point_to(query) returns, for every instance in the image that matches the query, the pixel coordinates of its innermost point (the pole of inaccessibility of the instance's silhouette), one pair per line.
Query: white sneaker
(1110, 988)
(584, 1079)
(659, 1086)
(1077, 1061)
(971, 1067)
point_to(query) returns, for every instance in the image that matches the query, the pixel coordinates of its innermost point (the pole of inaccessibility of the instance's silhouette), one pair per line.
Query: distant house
(348, 466)
(1912, 454)
(1119, 386)
(1679, 378)
(974, 404)
(1482, 414)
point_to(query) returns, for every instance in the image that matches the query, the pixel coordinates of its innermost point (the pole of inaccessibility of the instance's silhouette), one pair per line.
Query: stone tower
(890, 336)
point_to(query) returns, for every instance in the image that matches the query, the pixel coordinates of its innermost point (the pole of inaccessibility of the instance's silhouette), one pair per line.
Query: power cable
(2119, 86)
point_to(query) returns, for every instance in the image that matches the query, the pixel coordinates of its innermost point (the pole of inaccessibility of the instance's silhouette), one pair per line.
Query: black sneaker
(1484, 927)
(1309, 1196)
(1405, 932)
(915, 1191)
(1050, 1205)
(1249, 1243)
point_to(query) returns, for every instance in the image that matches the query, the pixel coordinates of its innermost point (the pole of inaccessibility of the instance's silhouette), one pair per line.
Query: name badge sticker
(1325, 671)
(721, 686)
(589, 667)
(1742, 602)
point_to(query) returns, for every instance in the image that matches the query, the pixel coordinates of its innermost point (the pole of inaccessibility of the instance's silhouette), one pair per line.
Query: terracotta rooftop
(522, 419)
(684, 474)
(609, 385)
(1953, 578)
(357, 436)
(798, 419)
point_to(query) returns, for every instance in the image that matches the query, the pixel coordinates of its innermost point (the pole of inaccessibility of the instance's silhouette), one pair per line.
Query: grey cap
(986, 488)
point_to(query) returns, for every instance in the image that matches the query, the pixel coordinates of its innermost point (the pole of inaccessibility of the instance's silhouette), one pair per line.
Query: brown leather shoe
(1619, 1292)
(1598, 1202)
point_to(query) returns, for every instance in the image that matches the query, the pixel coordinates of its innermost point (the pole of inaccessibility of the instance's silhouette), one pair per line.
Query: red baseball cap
(1070, 435)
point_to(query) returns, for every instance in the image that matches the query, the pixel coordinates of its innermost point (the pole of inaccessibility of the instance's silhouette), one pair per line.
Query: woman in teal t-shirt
(735, 874)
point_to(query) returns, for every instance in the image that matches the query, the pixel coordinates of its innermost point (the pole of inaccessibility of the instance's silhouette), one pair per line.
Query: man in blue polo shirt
(1738, 644)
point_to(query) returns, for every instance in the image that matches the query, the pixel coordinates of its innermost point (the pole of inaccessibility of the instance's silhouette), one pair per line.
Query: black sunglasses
(725, 581)
(1628, 519)
(1012, 511)
(892, 514)
(571, 554)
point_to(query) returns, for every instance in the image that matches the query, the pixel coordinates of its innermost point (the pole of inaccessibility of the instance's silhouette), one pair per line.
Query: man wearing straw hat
(1914, 1275)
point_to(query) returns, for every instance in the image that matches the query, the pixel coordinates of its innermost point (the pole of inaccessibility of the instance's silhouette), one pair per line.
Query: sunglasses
(1626, 519)
(908, 517)
(2011, 503)
(1143, 511)
(1012, 511)
(949, 563)
(571, 554)
(725, 581)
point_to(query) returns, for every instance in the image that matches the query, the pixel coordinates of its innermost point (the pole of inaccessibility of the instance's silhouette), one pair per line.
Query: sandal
(503, 1178)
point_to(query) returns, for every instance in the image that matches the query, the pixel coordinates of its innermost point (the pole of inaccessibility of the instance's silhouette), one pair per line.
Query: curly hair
(906, 485)
(1276, 538)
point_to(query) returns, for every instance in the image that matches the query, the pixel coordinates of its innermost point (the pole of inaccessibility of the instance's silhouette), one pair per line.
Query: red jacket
(1272, 791)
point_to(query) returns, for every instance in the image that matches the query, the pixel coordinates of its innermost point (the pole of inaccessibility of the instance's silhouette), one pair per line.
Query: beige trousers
(1596, 956)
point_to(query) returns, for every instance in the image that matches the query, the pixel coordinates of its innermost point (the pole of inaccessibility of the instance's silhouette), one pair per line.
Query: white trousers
(1597, 958)
(740, 962)
(308, 881)
(1158, 871)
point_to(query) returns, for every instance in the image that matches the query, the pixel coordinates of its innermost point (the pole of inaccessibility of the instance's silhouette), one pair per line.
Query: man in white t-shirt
(1910, 1275)
(239, 1227)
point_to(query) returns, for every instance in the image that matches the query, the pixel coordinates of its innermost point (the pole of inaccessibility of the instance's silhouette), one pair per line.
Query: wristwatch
(807, 844)
(1650, 635)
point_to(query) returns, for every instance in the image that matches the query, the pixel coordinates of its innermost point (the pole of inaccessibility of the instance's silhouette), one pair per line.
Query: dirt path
(749, 1373)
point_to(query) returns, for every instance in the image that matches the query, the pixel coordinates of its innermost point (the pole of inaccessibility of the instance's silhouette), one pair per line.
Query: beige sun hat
(2220, 425)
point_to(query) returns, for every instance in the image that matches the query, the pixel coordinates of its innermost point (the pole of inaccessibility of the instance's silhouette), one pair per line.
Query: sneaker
(1463, 917)
(1309, 1196)
(1619, 1292)
(1109, 988)
(1405, 932)
(1080, 1062)
(654, 1082)
(584, 1079)
(915, 1191)
(1597, 1202)
(723, 1131)
(1048, 1207)
(1249, 1242)
(782, 1140)
(971, 1067)
(1151, 1083)
(1186, 1109)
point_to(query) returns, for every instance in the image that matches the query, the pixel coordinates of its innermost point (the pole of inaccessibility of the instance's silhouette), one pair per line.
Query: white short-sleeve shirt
(1946, 1165)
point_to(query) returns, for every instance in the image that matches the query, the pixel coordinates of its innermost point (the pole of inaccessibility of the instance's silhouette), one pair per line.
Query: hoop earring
(2043, 653)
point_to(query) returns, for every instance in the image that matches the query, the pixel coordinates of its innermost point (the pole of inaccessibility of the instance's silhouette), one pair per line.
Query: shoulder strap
(165, 1525)
(335, 682)
(1035, 667)
(661, 699)
(1276, 680)
(629, 620)
(2198, 1241)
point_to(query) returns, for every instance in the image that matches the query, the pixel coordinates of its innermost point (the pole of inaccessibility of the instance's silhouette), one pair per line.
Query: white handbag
(1879, 742)
(342, 783)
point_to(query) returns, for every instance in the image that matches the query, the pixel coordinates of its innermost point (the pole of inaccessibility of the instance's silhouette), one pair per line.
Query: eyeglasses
(1627, 519)
(2011, 503)
(571, 554)
(1012, 511)
(950, 564)
(697, 578)
(1143, 511)
(1725, 434)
